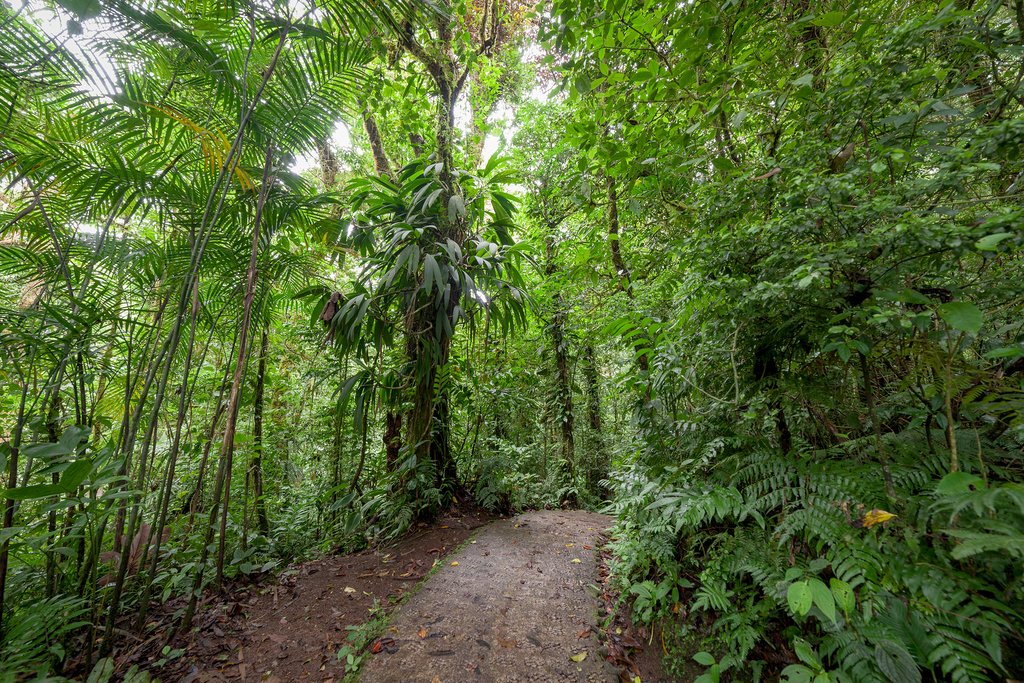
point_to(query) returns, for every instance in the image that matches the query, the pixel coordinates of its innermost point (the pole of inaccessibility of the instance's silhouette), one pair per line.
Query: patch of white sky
(502, 127)
(54, 21)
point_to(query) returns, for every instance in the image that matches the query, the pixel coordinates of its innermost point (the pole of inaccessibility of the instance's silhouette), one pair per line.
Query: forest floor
(520, 599)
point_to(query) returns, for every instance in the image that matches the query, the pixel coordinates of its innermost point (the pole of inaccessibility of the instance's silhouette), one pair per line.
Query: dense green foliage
(832, 325)
(747, 275)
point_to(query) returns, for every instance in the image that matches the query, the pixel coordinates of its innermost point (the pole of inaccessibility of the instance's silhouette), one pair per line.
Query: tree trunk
(222, 484)
(625, 278)
(563, 384)
(256, 462)
(392, 439)
(380, 159)
(598, 469)
(427, 347)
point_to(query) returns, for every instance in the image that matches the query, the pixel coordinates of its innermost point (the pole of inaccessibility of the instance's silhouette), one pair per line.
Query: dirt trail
(291, 629)
(513, 605)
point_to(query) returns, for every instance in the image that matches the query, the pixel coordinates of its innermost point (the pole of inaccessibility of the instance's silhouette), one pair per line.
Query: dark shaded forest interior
(284, 284)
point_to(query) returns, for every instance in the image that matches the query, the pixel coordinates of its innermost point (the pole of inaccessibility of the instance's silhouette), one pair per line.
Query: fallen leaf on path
(350, 589)
(436, 679)
(423, 633)
(382, 644)
(584, 633)
(569, 545)
(507, 642)
(455, 564)
(579, 657)
(577, 560)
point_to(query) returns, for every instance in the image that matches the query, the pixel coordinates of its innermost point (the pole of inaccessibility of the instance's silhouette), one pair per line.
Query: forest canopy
(281, 279)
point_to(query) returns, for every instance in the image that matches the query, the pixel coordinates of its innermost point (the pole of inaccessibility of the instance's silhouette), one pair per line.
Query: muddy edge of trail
(513, 605)
(290, 629)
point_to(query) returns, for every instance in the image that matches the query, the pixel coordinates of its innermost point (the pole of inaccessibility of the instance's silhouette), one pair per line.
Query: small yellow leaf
(423, 633)
(569, 545)
(350, 589)
(877, 516)
(455, 564)
(579, 657)
(577, 560)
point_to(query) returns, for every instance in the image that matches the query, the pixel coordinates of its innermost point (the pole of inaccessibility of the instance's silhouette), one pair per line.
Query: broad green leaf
(956, 483)
(962, 315)
(911, 296)
(1006, 352)
(829, 19)
(991, 242)
(102, 672)
(797, 673)
(704, 658)
(33, 492)
(431, 273)
(723, 164)
(44, 451)
(823, 599)
(805, 653)
(843, 594)
(75, 474)
(799, 597)
(456, 207)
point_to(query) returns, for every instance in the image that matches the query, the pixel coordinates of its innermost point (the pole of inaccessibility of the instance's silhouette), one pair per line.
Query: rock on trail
(513, 605)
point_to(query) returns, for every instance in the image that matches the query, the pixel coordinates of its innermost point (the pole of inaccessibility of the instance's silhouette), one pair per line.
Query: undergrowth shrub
(792, 564)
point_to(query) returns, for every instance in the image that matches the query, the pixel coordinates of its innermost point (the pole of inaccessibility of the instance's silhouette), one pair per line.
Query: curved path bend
(513, 606)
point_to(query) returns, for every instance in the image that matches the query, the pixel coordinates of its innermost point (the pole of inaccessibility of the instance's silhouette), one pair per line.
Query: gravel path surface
(512, 606)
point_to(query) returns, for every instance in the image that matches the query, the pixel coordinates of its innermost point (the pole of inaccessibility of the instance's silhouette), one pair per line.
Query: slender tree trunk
(235, 398)
(597, 457)
(222, 484)
(9, 503)
(625, 279)
(392, 439)
(256, 462)
(563, 385)
(172, 461)
(876, 426)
